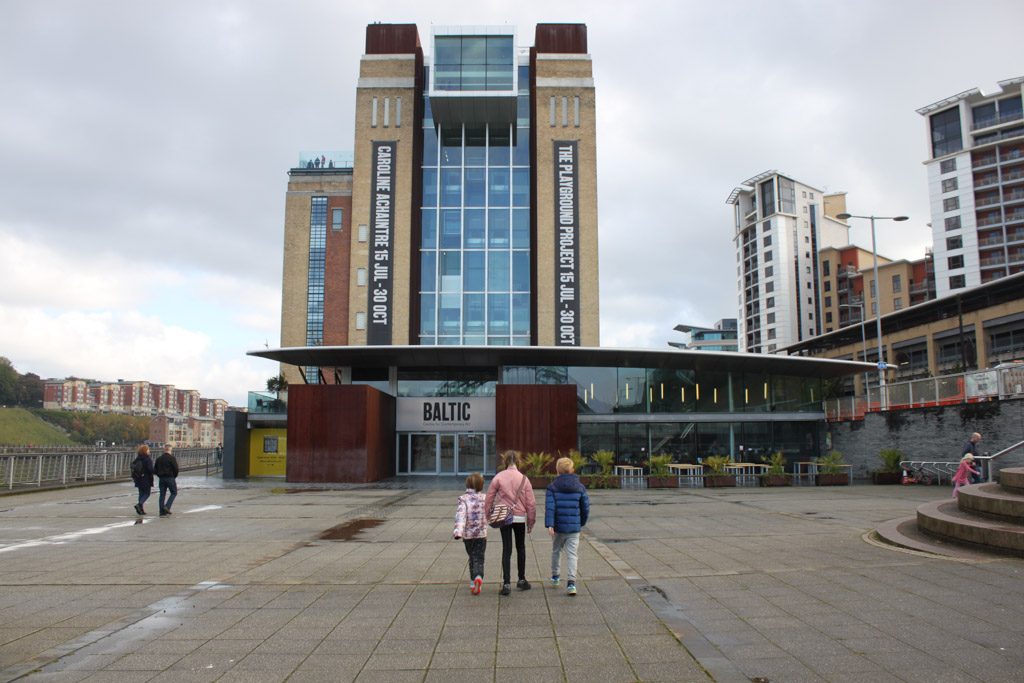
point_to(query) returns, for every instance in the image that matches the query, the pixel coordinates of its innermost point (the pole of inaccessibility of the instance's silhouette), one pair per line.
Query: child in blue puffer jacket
(566, 510)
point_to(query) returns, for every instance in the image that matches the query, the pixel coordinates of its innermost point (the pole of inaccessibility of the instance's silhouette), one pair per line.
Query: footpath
(274, 582)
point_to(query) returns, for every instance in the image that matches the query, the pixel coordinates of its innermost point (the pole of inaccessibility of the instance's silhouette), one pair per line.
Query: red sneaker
(477, 586)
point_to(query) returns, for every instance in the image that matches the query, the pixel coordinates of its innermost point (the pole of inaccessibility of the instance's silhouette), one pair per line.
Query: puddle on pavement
(279, 489)
(346, 531)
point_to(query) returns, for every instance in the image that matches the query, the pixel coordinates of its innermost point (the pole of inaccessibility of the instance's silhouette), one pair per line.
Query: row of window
(476, 187)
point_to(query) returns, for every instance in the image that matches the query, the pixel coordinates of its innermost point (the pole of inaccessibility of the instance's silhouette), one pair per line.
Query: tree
(8, 383)
(30, 390)
(278, 383)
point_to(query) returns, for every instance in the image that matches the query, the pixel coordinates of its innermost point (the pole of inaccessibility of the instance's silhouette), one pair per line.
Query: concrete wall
(931, 434)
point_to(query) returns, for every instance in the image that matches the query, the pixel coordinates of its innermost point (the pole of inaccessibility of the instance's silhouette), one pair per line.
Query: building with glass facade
(976, 185)
(440, 291)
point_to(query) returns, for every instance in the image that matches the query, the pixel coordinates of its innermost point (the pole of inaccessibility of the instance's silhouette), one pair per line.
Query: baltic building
(440, 290)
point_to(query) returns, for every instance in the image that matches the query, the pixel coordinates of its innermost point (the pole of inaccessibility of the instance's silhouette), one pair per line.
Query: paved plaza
(273, 582)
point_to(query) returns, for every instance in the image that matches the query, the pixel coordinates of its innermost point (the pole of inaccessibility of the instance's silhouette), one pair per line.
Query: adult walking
(166, 468)
(142, 476)
(971, 448)
(513, 488)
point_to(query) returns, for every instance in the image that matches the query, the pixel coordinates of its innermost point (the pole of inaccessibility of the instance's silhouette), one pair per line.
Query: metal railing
(945, 468)
(38, 470)
(967, 387)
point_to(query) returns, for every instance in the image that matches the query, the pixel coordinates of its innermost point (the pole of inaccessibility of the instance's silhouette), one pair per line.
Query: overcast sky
(144, 149)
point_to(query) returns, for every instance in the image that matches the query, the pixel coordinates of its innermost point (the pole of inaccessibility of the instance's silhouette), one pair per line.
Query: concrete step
(943, 519)
(992, 500)
(903, 533)
(1012, 478)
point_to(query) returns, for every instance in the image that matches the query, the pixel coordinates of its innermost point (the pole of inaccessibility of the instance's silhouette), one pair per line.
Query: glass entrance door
(471, 453)
(446, 454)
(423, 452)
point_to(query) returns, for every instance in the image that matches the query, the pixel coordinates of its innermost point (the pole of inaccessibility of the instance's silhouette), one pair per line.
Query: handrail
(946, 467)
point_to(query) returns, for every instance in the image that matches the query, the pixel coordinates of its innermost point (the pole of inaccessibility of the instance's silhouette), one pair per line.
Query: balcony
(996, 120)
(1015, 196)
(1010, 176)
(993, 261)
(987, 181)
(991, 220)
(988, 160)
(992, 200)
(919, 288)
(325, 161)
(1012, 155)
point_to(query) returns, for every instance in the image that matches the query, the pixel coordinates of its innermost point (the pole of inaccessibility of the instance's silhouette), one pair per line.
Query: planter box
(774, 480)
(541, 482)
(886, 477)
(837, 479)
(714, 481)
(599, 481)
(667, 482)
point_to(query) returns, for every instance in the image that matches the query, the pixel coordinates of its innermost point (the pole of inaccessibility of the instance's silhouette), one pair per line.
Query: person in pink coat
(504, 487)
(963, 473)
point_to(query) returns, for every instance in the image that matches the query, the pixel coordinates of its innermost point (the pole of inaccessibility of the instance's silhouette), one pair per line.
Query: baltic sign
(443, 414)
(382, 225)
(567, 245)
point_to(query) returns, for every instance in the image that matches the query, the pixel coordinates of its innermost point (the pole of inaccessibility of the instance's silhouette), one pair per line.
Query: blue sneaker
(555, 582)
(571, 589)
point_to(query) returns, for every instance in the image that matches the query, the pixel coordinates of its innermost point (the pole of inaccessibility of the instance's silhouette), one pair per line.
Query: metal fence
(37, 470)
(967, 387)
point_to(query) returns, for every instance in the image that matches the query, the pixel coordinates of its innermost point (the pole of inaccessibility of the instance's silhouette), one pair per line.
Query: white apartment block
(780, 224)
(976, 186)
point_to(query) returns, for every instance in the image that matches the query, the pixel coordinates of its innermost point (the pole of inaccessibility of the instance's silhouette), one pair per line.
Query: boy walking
(166, 468)
(566, 510)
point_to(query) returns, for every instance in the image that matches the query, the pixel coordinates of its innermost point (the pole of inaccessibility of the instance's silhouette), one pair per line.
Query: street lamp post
(878, 288)
(863, 338)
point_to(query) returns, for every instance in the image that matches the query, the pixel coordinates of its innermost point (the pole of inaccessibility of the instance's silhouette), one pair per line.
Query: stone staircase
(987, 517)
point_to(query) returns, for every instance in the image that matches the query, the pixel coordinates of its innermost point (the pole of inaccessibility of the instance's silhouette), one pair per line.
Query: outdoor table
(630, 476)
(689, 475)
(746, 472)
(803, 472)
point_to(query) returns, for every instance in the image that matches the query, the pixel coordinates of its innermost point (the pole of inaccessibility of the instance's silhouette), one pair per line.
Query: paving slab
(675, 585)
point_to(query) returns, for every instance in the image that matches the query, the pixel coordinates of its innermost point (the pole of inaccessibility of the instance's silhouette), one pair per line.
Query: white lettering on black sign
(567, 246)
(382, 222)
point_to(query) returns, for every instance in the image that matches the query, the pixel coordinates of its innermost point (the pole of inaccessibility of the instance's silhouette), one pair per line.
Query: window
(767, 240)
(957, 282)
(807, 269)
(828, 317)
(952, 223)
(769, 287)
(810, 300)
(769, 271)
(361, 277)
(770, 318)
(828, 301)
(364, 233)
(897, 303)
(336, 215)
(828, 285)
(956, 242)
(808, 285)
(946, 132)
(950, 184)
(897, 283)
(947, 166)
(955, 261)
(810, 316)
(826, 268)
(769, 302)
(771, 333)
(874, 308)
(767, 256)
(360, 320)
(873, 293)
(951, 204)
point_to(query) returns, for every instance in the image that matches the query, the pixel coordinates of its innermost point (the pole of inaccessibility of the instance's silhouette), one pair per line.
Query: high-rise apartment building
(976, 185)
(468, 214)
(780, 224)
(720, 337)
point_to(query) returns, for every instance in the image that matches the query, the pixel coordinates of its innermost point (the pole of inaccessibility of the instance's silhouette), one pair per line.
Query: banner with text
(567, 246)
(382, 227)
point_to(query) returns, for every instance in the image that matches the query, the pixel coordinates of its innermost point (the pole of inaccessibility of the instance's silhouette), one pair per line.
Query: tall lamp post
(863, 337)
(878, 289)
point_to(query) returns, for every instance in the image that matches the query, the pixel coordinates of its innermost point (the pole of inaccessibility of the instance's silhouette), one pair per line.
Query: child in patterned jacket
(471, 527)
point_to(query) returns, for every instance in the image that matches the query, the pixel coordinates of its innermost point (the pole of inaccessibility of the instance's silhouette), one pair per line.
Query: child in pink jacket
(471, 527)
(963, 472)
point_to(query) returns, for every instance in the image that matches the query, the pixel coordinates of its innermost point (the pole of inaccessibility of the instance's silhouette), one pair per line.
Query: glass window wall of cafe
(690, 442)
(608, 390)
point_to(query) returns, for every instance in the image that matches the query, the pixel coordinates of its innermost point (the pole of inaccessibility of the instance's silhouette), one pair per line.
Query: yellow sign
(267, 452)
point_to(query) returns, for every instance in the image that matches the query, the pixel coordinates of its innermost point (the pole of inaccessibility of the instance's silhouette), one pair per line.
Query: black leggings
(475, 548)
(506, 550)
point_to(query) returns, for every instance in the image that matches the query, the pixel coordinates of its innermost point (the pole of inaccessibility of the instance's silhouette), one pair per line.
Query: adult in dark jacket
(166, 468)
(142, 476)
(566, 511)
